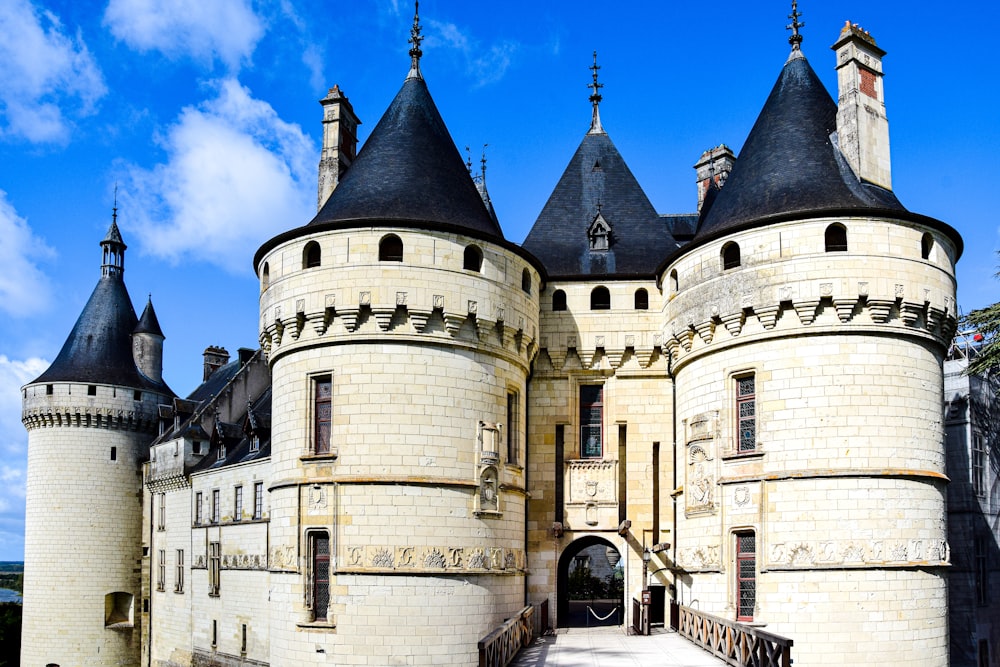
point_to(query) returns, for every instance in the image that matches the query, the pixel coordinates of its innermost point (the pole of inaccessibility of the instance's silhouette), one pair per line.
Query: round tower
(399, 326)
(90, 418)
(807, 322)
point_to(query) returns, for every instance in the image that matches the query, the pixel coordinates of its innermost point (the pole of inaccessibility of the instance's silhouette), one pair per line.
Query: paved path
(611, 647)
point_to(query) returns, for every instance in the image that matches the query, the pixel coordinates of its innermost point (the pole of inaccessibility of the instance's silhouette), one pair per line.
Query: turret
(862, 127)
(147, 344)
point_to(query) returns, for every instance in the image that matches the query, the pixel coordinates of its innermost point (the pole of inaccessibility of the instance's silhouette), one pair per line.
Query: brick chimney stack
(714, 165)
(340, 142)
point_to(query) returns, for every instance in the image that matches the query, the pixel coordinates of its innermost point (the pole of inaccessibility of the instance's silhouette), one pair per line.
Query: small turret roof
(148, 323)
(790, 163)
(113, 235)
(597, 181)
(409, 171)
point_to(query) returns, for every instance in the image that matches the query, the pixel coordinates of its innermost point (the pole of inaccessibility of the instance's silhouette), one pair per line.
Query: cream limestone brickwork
(83, 522)
(421, 495)
(844, 486)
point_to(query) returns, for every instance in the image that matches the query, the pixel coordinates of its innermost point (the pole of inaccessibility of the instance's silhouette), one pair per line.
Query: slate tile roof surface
(790, 164)
(597, 174)
(99, 348)
(148, 323)
(409, 170)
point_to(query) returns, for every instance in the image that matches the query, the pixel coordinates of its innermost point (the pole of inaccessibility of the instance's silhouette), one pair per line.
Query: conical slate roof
(409, 170)
(597, 181)
(148, 323)
(790, 164)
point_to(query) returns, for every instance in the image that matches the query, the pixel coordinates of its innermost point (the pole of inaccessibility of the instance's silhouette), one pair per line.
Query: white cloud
(14, 451)
(236, 175)
(24, 288)
(45, 75)
(486, 64)
(200, 29)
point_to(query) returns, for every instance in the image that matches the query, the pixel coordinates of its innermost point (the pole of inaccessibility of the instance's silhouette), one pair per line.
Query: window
(526, 281)
(238, 503)
(978, 465)
(254, 442)
(513, 426)
(746, 414)
(265, 277)
(473, 259)
(390, 249)
(214, 567)
(600, 298)
(91, 390)
(161, 570)
(243, 641)
(674, 283)
(114, 453)
(311, 255)
(323, 409)
(215, 632)
(222, 451)
(179, 575)
(926, 245)
(730, 256)
(216, 509)
(641, 299)
(981, 571)
(984, 653)
(258, 500)
(161, 514)
(48, 390)
(319, 574)
(197, 509)
(746, 576)
(559, 300)
(137, 395)
(836, 238)
(591, 421)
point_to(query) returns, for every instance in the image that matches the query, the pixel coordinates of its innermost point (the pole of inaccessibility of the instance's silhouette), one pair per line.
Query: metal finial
(468, 159)
(595, 99)
(482, 161)
(796, 39)
(415, 40)
(114, 209)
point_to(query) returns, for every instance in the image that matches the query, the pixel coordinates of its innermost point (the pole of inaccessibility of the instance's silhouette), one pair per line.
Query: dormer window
(599, 233)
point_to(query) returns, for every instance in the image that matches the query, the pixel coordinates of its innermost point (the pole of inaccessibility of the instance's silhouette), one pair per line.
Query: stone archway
(599, 577)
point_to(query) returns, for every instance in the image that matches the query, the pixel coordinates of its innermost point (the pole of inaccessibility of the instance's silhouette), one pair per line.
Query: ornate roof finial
(468, 159)
(595, 99)
(796, 39)
(482, 161)
(114, 209)
(415, 40)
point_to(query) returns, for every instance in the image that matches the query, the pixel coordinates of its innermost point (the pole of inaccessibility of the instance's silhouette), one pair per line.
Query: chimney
(713, 166)
(340, 140)
(862, 127)
(215, 358)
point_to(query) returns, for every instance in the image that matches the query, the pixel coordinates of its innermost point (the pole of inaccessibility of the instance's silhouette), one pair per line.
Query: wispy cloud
(45, 75)
(202, 30)
(486, 64)
(13, 452)
(24, 287)
(236, 174)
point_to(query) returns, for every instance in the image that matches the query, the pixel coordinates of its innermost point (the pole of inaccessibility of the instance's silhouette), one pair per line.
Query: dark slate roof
(113, 235)
(99, 348)
(409, 170)
(216, 382)
(789, 163)
(148, 323)
(237, 437)
(597, 174)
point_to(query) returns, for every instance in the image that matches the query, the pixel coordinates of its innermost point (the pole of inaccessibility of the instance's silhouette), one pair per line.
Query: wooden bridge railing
(739, 645)
(498, 648)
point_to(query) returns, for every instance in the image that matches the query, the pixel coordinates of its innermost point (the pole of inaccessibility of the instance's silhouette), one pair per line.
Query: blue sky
(205, 114)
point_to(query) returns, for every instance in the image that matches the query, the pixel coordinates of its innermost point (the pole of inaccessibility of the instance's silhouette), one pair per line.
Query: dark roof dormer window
(599, 233)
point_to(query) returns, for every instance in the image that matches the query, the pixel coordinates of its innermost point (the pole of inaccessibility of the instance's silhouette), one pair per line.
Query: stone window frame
(732, 446)
(730, 256)
(640, 300)
(979, 461)
(258, 500)
(214, 568)
(526, 281)
(179, 571)
(216, 510)
(558, 301)
(161, 512)
(313, 382)
(738, 578)
(265, 277)
(926, 245)
(238, 503)
(596, 300)
(472, 258)
(580, 415)
(161, 570)
(835, 238)
(313, 559)
(513, 427)
(198, 508)
(389, 251)
(312, 255)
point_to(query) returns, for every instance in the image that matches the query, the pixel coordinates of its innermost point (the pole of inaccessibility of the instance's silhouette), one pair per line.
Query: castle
(744, 402)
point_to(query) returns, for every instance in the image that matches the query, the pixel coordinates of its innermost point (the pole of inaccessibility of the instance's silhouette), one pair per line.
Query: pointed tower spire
(796, 38)
(595, 100)
(113, 247)
(415, 40)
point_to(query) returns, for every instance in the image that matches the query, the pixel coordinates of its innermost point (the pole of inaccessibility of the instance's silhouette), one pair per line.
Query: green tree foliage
(986, 321)
(10, 634)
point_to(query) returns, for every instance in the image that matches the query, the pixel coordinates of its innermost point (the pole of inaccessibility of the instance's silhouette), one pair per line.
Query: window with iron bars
(746, 576)
(746, 414)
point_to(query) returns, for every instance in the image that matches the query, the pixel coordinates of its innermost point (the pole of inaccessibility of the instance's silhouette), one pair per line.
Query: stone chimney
(340, 142)
(215, 358)
(862, 126)
(714, 165)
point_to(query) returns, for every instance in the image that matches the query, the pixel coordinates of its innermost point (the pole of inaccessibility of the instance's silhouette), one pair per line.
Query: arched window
(926, 245)
(836, 238)
(600, 298)
(730, 256)
(641, 299)
(526, 281)
(559, 300)
(311, 255)
(473, 259)
(265, 277)
(674, 283)
(390, 249)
